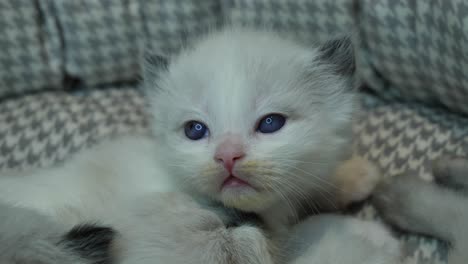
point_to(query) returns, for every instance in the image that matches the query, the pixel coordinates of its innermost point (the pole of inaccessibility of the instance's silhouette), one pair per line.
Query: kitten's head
(249, 118)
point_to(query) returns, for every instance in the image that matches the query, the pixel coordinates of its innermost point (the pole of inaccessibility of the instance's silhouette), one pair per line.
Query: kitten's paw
(399, 200)
(251, 245)
(451, 172)
(178, 212)
(356, 179)
(246, 234)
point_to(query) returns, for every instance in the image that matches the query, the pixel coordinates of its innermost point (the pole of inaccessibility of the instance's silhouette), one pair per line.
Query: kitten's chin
(245, 198)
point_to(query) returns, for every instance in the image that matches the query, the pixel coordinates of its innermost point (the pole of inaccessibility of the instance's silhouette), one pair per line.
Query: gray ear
(153, 66)
(339, 52)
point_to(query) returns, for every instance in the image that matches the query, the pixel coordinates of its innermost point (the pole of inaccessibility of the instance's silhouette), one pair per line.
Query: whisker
(302, 197)
(322, 192)
(301, 161)
(329, 184)
(288, 201)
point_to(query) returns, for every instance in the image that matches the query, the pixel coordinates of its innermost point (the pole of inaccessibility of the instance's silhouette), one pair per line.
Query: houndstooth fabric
(104, 40)
(415, 50)
(30, 54)
(310, 21)
(406, 138)
(43, 129)
(402, 137)
(171, 24)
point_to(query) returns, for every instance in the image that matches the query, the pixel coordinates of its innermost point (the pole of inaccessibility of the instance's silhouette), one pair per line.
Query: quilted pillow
(30, 54)
(407, 138)
(42, 129)
(415, 50)
(104, 40)
(308, 20)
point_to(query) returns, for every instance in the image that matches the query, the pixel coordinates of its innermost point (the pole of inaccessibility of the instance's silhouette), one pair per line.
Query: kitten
(438, 209)
(254, 121)
(243, 118)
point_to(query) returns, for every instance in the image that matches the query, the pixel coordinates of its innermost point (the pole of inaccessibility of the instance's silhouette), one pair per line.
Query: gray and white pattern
(169, 25)
(30, 52)
(104, 40)
(407, 138)
(308, 20)
(100, 42)
(415, 50)
(404, 137)
(42, 129)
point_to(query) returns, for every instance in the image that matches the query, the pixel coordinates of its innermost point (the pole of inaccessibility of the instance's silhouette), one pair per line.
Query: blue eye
(195, 130)
(271, 123)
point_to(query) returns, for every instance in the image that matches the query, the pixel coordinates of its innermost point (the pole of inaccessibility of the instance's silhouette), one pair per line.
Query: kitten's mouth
(234, 182)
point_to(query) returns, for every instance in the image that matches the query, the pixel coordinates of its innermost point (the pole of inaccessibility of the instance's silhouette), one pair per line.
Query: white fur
(112, 172)
(229, 81)
(331, 239)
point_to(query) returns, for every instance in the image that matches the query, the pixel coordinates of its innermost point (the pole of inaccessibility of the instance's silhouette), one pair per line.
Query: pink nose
(228, 152)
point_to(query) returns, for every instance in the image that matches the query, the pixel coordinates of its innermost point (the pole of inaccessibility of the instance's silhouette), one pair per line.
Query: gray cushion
(104, 40)
(42, 129)
(30, 52)
(309, 20)
(415, 50)
(407, 138)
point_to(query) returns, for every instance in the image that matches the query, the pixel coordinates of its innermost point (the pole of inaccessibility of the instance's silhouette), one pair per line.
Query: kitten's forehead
(233, 76)
(240, 65)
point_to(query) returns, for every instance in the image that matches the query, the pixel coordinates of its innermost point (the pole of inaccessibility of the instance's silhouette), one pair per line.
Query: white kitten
(244, 118)
(230, 86)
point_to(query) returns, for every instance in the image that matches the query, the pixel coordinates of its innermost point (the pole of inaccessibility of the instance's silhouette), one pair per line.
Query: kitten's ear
(154, 65)
(339, 52)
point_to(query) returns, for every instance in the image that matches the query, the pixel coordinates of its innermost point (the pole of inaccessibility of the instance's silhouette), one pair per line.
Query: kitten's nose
(228, 152)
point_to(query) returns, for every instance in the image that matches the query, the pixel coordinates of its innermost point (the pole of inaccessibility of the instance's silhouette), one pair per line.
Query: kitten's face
(250, 119)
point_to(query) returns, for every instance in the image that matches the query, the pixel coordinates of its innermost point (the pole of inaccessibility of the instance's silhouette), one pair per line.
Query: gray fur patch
(91, 242)
(339, 52)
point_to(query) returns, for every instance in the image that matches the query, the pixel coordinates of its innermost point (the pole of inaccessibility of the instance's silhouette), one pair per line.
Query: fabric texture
(43, 129)
(415, 50)
(105, 40)
(169, 25)
(102, 40)
(311, 21)
(30, 54)
(406, 138)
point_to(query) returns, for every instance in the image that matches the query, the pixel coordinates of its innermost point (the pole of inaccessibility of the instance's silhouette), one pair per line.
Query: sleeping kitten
(243, 118)
(437, 209)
